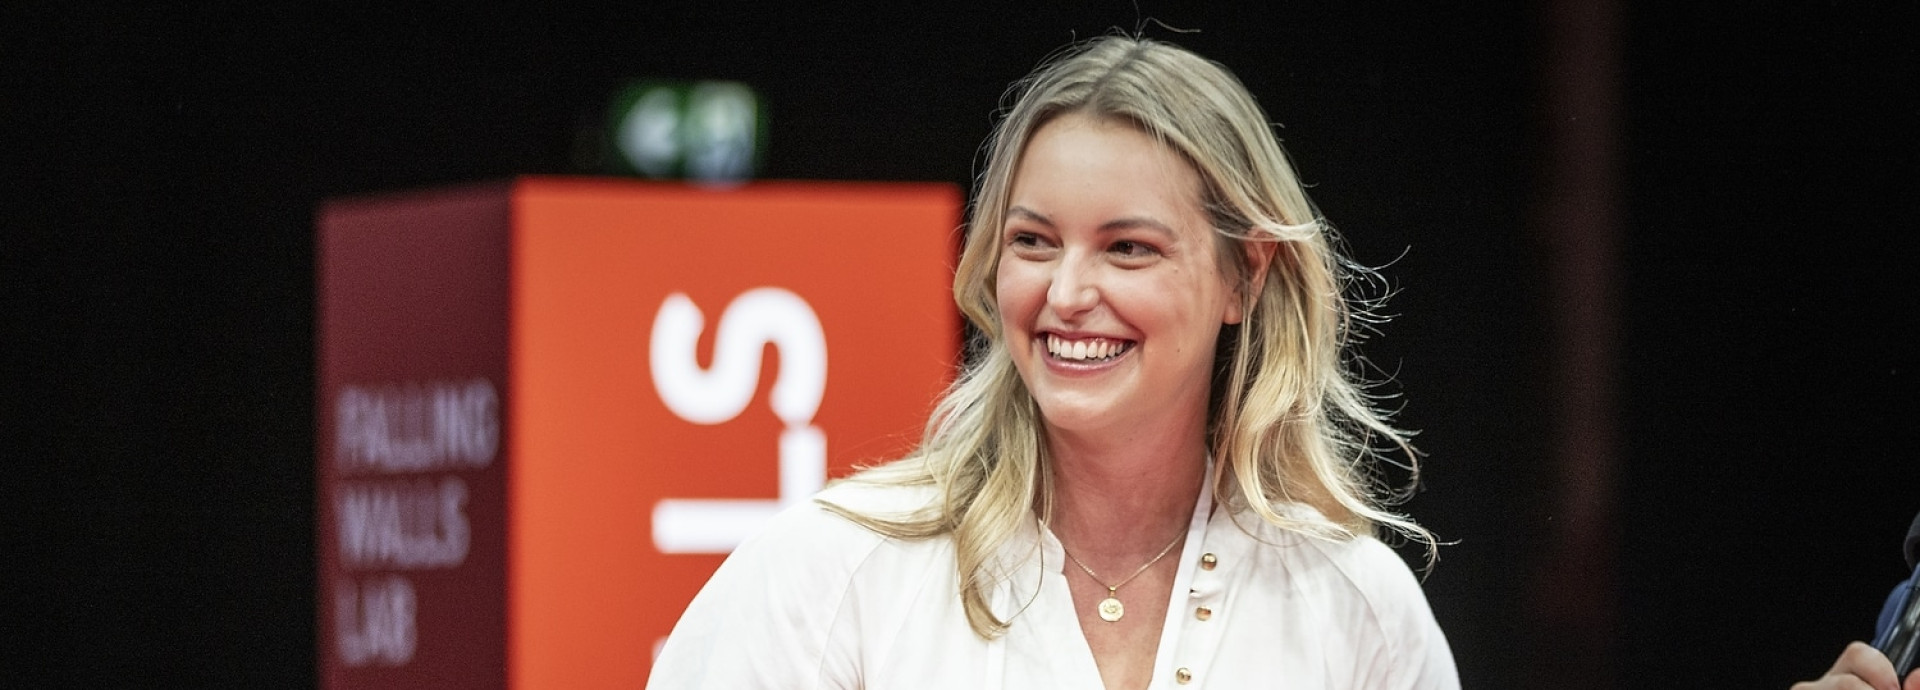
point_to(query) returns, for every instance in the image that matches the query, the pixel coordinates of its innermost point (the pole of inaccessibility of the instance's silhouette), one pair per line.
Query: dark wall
(165, 163)
(1772, 305)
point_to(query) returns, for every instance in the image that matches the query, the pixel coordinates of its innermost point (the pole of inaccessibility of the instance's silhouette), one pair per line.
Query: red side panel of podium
(412, 320)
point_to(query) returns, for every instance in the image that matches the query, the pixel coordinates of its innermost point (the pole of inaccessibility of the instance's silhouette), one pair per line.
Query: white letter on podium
(720, 393)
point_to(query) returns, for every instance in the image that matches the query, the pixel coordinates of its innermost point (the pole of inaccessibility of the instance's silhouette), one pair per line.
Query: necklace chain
(1113, 590)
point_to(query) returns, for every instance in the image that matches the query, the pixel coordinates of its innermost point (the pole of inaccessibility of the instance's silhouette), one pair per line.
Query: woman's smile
(1087, 350)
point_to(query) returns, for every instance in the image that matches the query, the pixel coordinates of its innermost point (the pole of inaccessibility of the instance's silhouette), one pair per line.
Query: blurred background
(1652, 266)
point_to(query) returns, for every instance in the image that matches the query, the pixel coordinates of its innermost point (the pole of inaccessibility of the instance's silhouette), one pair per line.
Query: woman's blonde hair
(1289, 421)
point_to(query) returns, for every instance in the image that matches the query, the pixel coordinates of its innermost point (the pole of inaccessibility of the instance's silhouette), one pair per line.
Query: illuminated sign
(708, 131)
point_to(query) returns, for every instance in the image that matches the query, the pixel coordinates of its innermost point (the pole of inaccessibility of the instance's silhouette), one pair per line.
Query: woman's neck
(1119, 500)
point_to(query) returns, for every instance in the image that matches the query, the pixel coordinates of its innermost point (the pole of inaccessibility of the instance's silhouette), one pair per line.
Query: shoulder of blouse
(1362, 564)
(877, 500)
(809, 541)
(1367, 580)
(779, 612)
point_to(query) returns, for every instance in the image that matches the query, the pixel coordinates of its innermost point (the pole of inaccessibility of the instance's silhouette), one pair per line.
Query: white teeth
(1084, 350)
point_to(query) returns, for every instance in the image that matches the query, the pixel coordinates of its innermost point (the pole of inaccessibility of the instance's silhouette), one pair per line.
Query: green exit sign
(708, 131)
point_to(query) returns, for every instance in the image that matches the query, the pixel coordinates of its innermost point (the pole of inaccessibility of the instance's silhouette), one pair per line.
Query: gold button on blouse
(1207, 561)
(1203, 613)
(1183, 676)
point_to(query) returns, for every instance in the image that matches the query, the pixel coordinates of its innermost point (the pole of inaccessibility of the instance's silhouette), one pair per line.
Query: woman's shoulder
(1361, 564)
(1359, 585)
(824, 532)
(877, 499)
(823, 540)
(786, 605)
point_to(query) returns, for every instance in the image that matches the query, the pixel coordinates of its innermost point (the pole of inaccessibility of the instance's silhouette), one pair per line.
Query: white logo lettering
(376, 623)
(720, 393)
(415, 428)
(404, 525)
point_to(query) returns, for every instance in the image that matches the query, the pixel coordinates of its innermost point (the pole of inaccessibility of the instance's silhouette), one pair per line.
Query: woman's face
(1110, 294)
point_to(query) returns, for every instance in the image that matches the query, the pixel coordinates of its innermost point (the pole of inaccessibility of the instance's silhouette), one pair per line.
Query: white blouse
(816, 601)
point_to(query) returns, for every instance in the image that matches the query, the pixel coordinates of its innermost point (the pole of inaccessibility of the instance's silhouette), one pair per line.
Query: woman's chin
(1080, 416)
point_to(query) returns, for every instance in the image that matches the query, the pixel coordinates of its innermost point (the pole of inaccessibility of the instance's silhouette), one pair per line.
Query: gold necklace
(1110, 608)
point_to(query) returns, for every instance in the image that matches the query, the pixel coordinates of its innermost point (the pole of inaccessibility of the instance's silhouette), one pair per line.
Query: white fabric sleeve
(1413, 654)
(775, 614)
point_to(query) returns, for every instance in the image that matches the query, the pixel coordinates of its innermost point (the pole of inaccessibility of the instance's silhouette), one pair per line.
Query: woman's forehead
(1085, 159)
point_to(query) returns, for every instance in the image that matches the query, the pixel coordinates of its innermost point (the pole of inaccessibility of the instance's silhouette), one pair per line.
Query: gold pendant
(1111, 610)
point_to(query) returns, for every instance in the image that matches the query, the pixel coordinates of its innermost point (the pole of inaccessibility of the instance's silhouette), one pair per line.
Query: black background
(164, 162)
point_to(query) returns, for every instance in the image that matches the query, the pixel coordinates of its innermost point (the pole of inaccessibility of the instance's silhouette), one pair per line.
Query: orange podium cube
(547, 408)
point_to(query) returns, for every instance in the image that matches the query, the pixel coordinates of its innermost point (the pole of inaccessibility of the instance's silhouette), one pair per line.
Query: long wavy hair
(1289, 420)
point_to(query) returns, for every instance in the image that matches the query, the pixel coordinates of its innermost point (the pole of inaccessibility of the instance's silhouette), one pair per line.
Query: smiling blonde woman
(1157, 472)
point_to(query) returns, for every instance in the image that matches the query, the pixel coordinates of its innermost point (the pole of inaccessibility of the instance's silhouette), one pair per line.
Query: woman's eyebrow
(1115, 225)
(1136, 223)
(1029, 214)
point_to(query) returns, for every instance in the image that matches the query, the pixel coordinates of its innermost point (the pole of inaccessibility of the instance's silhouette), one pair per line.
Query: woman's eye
(1131, 249)
(1026, 240)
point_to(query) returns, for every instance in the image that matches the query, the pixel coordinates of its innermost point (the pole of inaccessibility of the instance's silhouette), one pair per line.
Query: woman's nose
(1073, 289)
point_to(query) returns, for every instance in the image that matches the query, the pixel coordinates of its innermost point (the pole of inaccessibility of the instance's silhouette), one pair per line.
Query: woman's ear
(1259, 256)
